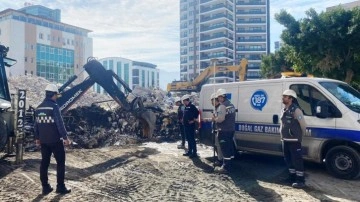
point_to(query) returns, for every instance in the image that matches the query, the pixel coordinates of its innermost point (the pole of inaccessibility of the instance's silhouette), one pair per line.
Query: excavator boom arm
(105, 78)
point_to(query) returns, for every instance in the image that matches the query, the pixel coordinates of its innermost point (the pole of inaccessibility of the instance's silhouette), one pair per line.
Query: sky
(148, 30)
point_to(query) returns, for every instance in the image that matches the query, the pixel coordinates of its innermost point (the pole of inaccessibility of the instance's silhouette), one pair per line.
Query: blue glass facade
(41, 11)
(54, 64)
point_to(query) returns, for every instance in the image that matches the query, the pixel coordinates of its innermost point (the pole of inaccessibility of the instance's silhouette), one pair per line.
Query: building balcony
(217, 36)
(207, 57)
(254, 67)
(251, 31)
(204, 1)
(216, 46)
(218, 6)
(217, 16)
(250, 22)
(217, 26)
(250, 3)
(251, 49)
(254, 58)
(251, 40)
(250, 12)
(183, 62)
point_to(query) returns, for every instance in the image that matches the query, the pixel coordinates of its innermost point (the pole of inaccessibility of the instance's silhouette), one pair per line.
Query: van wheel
(3, 134)
(343, 162)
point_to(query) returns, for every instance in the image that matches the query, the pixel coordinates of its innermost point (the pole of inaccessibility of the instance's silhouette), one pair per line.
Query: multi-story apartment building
(278, 45)
(226, 30)
(42, 44)
(134, 73)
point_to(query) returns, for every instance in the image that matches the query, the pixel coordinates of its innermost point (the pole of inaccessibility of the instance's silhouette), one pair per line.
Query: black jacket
(49, 125)
(190, 113)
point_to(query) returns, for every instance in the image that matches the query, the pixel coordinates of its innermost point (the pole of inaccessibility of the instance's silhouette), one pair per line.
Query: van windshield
(346, 94)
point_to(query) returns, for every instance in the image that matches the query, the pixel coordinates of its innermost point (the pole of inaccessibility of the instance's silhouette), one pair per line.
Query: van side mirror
(322, 110)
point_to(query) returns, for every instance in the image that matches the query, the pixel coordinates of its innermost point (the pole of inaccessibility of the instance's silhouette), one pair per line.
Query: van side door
(257, 123)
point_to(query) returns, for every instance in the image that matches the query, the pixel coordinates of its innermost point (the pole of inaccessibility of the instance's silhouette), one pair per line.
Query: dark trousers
(293, 159)
(227, 148)
(59, 153)
(226, 143)
(182, 133)
(190, 137)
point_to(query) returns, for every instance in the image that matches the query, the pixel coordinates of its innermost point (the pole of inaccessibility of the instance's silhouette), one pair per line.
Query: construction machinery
(105, 78)
(6, 111)
(208, 73)
(294, 74)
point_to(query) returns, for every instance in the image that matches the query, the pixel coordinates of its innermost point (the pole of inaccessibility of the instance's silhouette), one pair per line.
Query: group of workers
(292, 128)
(51, 135)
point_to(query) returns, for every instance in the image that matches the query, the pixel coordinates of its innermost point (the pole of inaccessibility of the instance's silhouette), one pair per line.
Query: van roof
(309, 79)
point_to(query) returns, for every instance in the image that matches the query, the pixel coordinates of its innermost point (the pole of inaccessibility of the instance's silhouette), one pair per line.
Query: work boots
(291, 178)
(300, 182)
(47, 189)
(61, 189)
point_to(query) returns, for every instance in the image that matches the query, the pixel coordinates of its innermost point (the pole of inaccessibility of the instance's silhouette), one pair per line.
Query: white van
(332, 114)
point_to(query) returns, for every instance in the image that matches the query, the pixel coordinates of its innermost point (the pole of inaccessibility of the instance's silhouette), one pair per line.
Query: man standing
(215, 102)
(292, 129)
(226, 126)
(191, 114)
(180, 115)
(51, 135)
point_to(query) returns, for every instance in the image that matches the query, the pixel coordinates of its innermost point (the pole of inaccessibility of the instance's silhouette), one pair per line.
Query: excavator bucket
(148, 120)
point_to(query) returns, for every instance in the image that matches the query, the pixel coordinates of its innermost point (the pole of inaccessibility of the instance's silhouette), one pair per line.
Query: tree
(275, 63)
(325, 44)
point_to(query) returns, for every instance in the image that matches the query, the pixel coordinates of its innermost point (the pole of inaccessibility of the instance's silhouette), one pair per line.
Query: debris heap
(104, 123)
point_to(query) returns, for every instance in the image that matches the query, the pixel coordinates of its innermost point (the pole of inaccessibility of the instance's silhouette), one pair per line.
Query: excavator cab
(6, 116)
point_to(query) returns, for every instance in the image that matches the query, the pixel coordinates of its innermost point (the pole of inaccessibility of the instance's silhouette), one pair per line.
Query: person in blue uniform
(51, 136)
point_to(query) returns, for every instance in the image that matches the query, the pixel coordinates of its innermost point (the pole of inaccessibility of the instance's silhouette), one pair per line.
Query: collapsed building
(96, 120)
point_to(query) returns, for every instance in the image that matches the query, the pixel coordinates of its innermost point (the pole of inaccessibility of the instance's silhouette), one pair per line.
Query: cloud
(148, 30)
(296, 8)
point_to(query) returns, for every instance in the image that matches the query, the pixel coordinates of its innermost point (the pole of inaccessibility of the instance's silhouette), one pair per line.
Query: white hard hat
(213, 96)
(185, 97)
(290, 92)
(177, 99)
(220, 92)
(52, 88)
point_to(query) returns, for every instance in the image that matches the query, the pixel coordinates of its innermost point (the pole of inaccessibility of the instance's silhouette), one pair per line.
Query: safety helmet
(177, 99)
(220, 92)
(52, 88)
(290, 92)
(185, 97)
(213, 96)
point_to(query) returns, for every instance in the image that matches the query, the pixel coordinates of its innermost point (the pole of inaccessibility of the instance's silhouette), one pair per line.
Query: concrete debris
(97, 121)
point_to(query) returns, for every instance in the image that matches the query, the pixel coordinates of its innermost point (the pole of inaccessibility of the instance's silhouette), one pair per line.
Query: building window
(40, 36)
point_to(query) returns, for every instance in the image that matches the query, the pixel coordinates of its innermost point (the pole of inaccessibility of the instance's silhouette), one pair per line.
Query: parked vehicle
(332, 114)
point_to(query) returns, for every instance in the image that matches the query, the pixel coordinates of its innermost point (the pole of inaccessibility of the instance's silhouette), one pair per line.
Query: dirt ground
(159, 172)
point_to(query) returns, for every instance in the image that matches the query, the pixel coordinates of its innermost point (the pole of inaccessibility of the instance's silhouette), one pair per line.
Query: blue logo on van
(258, 100)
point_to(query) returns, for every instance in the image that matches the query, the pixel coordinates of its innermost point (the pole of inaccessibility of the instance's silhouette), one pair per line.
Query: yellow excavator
(289, 74)
(195, 85)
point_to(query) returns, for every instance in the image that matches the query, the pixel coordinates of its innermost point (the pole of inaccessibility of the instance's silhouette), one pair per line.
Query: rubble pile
(104, 123)
(35, 93)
